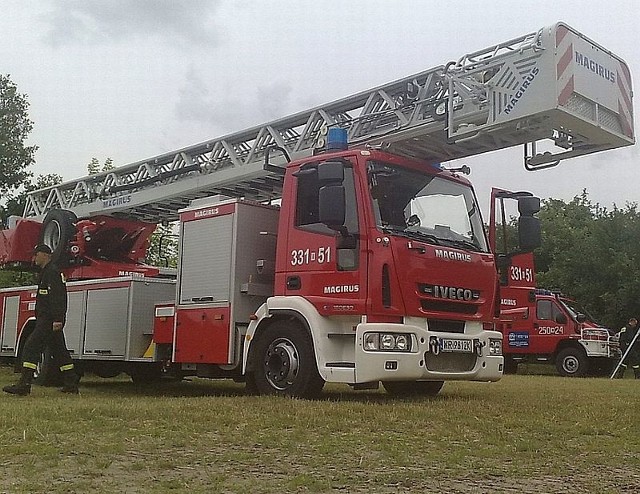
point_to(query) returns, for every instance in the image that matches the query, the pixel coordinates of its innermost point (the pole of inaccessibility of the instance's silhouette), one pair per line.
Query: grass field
(524, 434)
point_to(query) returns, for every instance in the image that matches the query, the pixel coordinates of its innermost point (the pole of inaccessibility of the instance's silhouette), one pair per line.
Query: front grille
(443, 326)
(455, 307)
(450, 362)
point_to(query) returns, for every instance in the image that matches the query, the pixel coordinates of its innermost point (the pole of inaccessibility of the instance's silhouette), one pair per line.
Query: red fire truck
(374, 266)
(542, 326)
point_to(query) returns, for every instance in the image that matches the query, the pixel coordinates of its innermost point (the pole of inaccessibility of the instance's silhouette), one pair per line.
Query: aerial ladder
(552, 86)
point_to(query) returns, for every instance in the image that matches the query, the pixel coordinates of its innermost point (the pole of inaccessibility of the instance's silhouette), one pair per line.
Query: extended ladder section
(554, 86)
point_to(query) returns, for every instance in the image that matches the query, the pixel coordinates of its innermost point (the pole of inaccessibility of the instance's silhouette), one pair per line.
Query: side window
(543, 310)
(307, 203)
(556, 314)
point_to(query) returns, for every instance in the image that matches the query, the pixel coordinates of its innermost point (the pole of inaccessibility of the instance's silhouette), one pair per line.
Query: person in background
(627, 335)
(50, 311)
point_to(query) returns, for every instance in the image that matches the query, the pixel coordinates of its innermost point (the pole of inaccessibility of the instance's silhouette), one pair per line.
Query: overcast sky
(131, 79)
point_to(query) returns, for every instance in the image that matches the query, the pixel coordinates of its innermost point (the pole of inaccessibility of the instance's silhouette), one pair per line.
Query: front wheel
(413, 388)
(284, 362)
(572, 362)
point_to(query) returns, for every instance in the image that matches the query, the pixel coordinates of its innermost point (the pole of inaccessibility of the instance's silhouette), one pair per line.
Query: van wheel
(284, 362)
(510, 366)
(572, 362)
(413, 388)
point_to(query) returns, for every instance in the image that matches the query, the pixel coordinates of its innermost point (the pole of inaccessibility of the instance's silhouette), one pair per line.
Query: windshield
(574, 309)
(425, 207)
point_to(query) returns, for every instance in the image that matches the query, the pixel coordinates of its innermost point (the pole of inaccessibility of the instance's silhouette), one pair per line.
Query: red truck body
(357, 295)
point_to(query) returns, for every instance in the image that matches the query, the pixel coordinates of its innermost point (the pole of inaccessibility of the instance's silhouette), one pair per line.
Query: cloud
(236, 109)
(106, 21)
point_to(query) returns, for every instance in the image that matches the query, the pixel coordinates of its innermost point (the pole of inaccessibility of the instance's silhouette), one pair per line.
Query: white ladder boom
(554, 84)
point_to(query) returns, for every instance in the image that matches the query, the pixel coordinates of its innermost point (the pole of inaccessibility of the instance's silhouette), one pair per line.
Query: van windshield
(425, 207)
(574, 309)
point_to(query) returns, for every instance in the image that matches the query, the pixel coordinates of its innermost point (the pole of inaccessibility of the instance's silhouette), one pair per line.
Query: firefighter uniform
(50, 311)
(627, 334)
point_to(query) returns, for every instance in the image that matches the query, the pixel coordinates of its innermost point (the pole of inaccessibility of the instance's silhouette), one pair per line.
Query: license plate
(458, 346)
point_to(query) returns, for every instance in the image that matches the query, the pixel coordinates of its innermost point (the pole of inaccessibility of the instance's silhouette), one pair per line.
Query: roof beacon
(337, 139)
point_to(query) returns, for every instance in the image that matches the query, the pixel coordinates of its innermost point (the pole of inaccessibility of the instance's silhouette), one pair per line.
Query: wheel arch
(275, 316)
(567, 344)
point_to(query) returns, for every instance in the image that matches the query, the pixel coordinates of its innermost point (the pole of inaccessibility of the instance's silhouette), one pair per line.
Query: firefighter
(50, 311)
(627, 335)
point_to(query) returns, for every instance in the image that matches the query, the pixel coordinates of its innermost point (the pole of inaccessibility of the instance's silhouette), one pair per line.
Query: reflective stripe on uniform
(29, 365)
(67, 367)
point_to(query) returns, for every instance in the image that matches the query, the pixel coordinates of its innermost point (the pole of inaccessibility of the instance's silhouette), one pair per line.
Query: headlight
(371, 341)
(402, 342)
(387, 342)
(495, 347)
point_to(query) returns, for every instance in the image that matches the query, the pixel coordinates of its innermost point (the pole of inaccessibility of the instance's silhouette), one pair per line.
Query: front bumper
(432, 356)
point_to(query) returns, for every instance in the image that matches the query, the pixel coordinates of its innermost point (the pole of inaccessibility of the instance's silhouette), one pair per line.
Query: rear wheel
(284, 362)
(413, 388)
(572, 362)
(145, 373)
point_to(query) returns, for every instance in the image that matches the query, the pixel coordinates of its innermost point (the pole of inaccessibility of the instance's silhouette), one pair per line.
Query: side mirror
(528, 205)
(529, 229)
(331, 172)
(581, 318)
(529, 233)
(332, 205)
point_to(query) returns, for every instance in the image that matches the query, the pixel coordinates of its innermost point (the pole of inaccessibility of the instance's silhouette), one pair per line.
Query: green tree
(16, 203)
(593, 255)
(163, 247)
(15, 126)
(94, 166)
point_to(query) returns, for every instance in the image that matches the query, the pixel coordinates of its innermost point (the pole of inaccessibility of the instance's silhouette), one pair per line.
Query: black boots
(620, 373)
(636, 372)
(70, 382)
(23, 386)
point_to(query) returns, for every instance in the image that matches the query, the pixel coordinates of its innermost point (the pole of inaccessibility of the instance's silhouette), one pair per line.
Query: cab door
(323, 260)
(550, 325)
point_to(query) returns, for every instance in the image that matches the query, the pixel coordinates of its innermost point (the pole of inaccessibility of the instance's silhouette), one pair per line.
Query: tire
(572, 362)
(58, 228)
(284, 362)
(142, 374)
(106, 370)
(510, 366)
(413, 388)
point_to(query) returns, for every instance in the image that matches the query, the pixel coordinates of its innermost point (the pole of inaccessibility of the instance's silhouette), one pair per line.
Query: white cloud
(106, 21)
